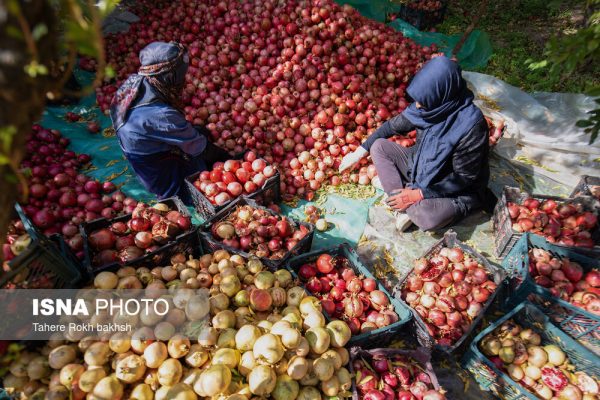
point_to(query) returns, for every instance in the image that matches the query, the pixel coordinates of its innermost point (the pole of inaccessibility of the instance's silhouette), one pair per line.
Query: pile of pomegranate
(567, 224)
(397, 377)
(425, 5)
(301, 82)
(566, 279)
(60, 198)
(448, 291)
(147, 230)
(228, 180)
(258, 232)
(346, 296)
(544, 369)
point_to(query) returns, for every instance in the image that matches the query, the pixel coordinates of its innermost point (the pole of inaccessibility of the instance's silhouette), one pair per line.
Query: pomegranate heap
(398, 377)
(562, 223)
(258, 232)
(425, 5)
(60, 198)
(566, 279)
(228, 180)
(346, 296)
(448, 291)
(145, 232)
(300, 82)
(542, 368)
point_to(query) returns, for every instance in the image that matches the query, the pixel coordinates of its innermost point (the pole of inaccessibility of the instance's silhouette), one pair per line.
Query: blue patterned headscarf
(160, 78)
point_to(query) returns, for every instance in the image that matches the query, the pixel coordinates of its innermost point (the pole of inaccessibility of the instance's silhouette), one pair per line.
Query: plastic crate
(42, 263)
(422, 19)
(421, 355)
(506, 237)
(269, 193)
(380, 337)
(580, 324)
(527, 315)
(187, 242)
(210, 244)
(583, 186)
(450, 240)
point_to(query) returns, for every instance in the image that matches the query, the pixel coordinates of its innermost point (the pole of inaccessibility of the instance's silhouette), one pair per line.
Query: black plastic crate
(379, 337)
(583, 186)
(450, 240)
(42, 264)
(422, 19)
(210, 244)
(578, 323)
(421, 355)
(187, 242)
(506, 237)
(269, 193)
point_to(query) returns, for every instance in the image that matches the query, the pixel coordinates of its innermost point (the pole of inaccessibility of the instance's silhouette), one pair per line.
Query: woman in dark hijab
(444, 176)
(147, 114)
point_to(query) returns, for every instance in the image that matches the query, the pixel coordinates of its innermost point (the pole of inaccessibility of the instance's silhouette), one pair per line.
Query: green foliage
(519, 30)
(6, 138)
(569, 54)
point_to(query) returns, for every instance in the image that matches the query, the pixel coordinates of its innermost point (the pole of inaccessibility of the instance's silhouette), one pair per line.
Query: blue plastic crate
(450, 240)
(580, 324)
(527, 315)
(379, 337)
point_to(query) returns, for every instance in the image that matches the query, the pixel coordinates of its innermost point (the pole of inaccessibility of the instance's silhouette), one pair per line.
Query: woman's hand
(351, 159)
(401, 199)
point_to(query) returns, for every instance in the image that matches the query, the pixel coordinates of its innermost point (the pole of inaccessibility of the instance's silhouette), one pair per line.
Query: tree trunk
(22, 96)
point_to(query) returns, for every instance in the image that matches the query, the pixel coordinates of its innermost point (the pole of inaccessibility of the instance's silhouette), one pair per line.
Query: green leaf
(6, 136)
(14, 32)
(109, 72)
(594, 91)
(84, 38)
(38, 31)
(34, 69)
(11, 178)
(13, 7)
(106, 6)
(584, 123)
(4, 160)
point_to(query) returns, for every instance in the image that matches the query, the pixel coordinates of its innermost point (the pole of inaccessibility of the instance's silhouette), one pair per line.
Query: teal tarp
(475, 52)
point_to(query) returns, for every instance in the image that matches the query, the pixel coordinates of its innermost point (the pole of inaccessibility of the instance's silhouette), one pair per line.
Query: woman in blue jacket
(147, 114)
(444, 176)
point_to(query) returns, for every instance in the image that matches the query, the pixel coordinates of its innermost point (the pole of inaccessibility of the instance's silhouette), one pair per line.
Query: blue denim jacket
(162, 148)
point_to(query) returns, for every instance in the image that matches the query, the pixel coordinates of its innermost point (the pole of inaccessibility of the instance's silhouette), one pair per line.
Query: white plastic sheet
(541, 129)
